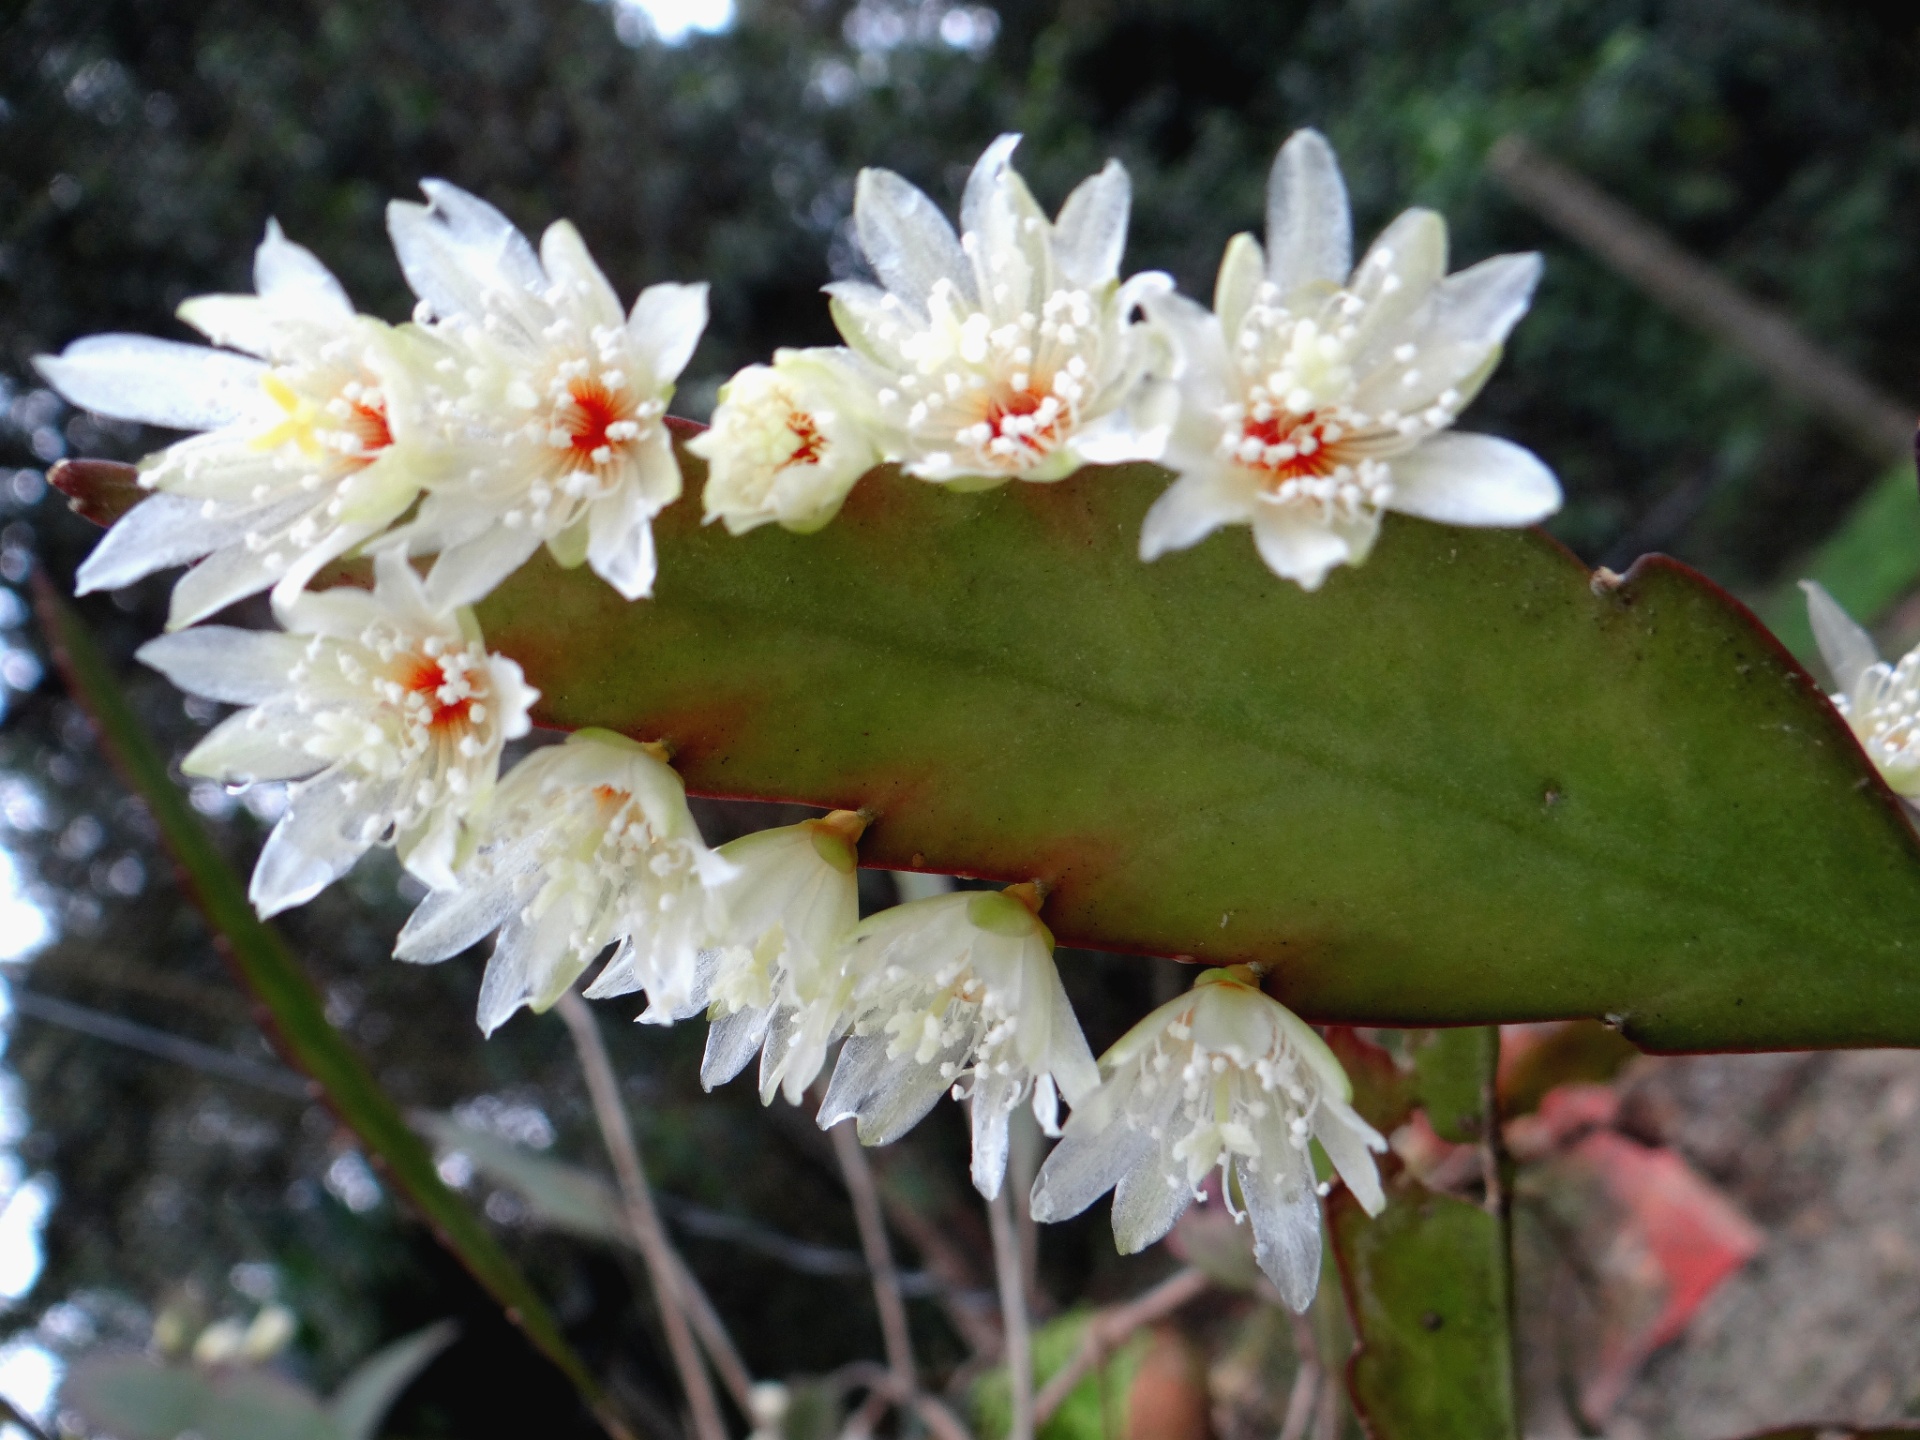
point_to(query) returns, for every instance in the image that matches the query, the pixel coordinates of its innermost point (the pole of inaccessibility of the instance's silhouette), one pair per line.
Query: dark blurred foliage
(143, 144)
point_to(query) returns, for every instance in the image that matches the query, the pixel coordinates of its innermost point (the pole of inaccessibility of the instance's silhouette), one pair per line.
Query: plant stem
(1018, 1349)
(887, 1298)
(1109, 1329)
(663, 1265)
(1306, 1381)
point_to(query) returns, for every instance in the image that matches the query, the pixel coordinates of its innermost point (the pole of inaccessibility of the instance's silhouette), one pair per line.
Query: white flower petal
(563, 255)
(1351, 1144)
(1309, 224)
(292, 274)
(1148, 1200)
(620, 542)
(531, 966)
(732, 1042)
(993, 1100)
(1847, 649)
(1086, 1164)
(1481, 304)
(1286, 1235)
(161, 531)
(1091, 234)
(465, 574)
(219, 580)
(906, 239)
(984, 181)
(316, 842)
(241, 667)
(886, 1097)
(667, 323)
(239, 751)
(1298, 547)
(1464, 479)
(449, 921)
(1192, 508)
(458, 248)
(1243, 269)
(160, 382)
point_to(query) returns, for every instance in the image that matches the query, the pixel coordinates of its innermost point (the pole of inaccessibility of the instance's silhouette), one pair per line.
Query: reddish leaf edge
(101, 491)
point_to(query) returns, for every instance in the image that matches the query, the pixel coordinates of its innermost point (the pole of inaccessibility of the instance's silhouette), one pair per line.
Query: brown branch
(665, 1267)
(1693, 290)
(886, 1392)
(1110, 1328)
(1011, 1273)
(1306, 1381)
(873, 1241)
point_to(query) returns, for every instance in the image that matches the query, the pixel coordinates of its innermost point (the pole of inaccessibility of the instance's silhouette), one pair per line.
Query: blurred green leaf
(134, 1398)
(562, 1197)
(1458, 785)
(1453, 1074)
(1582, 1052)
(1095, 1409)
(299, 1024)
(366, 1395)
(1427, 1288)
(1867, 564)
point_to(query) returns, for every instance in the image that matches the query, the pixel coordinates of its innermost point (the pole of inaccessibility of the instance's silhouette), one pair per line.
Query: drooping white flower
(781, 986)
(553, 400)
(1881, 702)
(587, 844)
(789, 440)
(958, 992)
(1224, 1076)
(1312, 399)
(1007, 352)
(311, 444)
(389, 711)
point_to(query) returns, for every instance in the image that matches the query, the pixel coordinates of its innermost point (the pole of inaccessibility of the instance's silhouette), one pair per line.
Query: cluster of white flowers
(1309, 401)
(522, 407)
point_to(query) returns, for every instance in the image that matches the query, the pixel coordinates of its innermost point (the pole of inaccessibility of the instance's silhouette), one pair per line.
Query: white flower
(956, 989)
(587, 844)
(1311, 400)
(780, 989)
(1007, 352)
(1224, 1076)
(1880, 701)
(553, 402)
(788, 441)
(389, 711)
(310, 447)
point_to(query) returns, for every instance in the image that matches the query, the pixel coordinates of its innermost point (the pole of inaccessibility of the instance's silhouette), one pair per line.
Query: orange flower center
(598, 423)
(1294, 447)
(449, 703)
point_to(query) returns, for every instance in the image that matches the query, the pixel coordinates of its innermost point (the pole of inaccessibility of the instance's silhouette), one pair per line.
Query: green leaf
(1453, 1071)
(299, 1024)
(1867, 564)
(1427, 1289)
(562, 1197)
(366, 1395)
(1458, 785)
(1094, 1409)
(135, 1398)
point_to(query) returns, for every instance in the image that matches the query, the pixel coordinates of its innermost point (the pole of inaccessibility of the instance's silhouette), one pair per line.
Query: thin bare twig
(663, 1265)
(1109, 1329)
(1306, 1381)
(886, 1392)
(1013, 1314)
(873, 1240)
(711, 1331)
